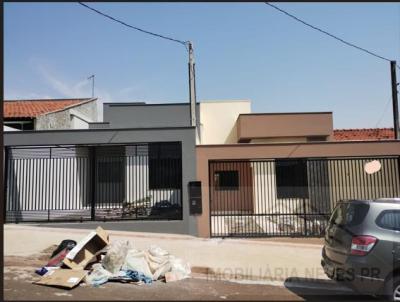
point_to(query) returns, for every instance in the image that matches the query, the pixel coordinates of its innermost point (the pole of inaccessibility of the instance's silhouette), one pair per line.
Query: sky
(242, 51)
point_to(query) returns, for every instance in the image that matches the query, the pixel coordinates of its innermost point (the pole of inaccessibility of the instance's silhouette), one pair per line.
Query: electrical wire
(328, 34)
(383, 113)
(184, 43)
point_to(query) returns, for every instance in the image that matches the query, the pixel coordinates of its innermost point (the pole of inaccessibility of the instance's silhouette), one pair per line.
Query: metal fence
(77, 183)
(292, 197)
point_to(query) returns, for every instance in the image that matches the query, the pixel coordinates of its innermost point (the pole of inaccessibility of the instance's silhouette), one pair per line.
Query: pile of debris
(95, 261)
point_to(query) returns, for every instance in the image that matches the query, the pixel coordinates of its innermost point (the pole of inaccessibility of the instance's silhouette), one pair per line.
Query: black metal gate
(292, 197)
(97, 182)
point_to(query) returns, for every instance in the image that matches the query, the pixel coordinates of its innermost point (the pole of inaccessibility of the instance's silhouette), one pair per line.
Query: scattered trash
(66, 278)
(180, 267)
(137, 276)
(87, 250)
(45, 269)
(174, 276)
(57, 259)
(65, 244)
(98, 276)
(115, 256)
(136, 261)
(96, 261)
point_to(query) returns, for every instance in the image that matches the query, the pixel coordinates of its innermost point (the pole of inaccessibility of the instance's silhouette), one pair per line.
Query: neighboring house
(45, 114)
(363, 134)
(6, 128)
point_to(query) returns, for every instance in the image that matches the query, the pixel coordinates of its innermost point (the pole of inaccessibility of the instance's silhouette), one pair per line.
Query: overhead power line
(328, 34)
(184, 43)
(383, 113)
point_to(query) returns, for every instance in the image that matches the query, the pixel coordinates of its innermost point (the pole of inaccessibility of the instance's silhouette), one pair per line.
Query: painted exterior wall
(287, 150)
(133, 115)
(121, 136)
(88, 110)
(279, 125)
(218, 120)
(55, 120)
(78, 123)
(215, 128)
(233, 201)
(65, 119)
(278, 140)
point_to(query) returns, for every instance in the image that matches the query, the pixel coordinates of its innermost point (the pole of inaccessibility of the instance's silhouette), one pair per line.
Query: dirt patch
(36, 260)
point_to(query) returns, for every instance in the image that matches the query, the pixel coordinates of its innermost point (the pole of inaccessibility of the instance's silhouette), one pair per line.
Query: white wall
(68, 118)
(218, 120)
(77, 123)
(265, 195)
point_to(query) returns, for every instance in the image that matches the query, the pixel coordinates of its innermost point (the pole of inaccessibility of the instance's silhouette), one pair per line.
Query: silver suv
(362, 246)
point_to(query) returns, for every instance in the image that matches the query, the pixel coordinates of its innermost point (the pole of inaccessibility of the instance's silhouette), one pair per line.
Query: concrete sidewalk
(220, 258)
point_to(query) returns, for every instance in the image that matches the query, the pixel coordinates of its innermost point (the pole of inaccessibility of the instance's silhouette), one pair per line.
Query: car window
(349, 214)
(389, 219)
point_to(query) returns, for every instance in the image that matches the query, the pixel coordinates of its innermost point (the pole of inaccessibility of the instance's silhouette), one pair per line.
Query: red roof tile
(363, 134)
(34, 108)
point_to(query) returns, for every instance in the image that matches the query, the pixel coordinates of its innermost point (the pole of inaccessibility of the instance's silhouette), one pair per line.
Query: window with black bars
(226, 180)
(291, 178)
(165, 166)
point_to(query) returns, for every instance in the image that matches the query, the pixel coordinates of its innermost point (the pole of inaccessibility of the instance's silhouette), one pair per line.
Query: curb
(30, 227)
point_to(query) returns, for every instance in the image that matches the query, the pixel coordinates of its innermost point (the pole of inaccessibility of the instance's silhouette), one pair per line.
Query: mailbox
(195, 205)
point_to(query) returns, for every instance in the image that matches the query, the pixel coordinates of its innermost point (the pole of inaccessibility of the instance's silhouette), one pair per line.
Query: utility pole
(92, 77)
(192, 86)
(396, 125)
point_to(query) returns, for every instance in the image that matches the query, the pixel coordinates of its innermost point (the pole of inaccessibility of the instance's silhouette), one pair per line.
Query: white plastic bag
(156, 251)
(137, 261)
(116, 254)
(157, 259)
(178, 265)
(98, 275)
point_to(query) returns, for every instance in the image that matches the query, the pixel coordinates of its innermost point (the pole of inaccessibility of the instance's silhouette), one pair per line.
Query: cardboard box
(87, 249)
(65, 278)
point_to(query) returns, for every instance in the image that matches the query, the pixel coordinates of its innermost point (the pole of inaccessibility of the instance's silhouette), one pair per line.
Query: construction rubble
(95, 260)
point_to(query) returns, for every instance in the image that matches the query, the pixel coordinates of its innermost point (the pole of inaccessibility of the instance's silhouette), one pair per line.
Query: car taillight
(362, 245)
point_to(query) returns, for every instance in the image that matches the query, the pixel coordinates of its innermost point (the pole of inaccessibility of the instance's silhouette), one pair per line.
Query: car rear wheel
(396, 293)
(392, 289)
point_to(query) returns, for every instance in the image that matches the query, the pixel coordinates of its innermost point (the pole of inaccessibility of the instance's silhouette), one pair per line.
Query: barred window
(165, 166)
(226, 180)
(291, 178)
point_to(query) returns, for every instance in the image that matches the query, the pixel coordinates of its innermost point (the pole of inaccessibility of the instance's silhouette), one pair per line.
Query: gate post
(305, 216)
(92, 156)
(5, 181)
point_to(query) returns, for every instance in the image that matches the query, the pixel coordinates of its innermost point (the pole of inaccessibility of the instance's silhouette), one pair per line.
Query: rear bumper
(358, 276)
